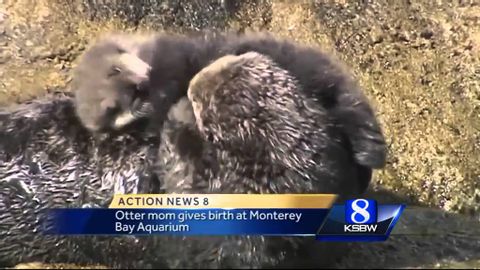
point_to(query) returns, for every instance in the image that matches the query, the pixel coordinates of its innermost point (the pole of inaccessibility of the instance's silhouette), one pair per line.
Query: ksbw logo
(360, 220)
(360, 216)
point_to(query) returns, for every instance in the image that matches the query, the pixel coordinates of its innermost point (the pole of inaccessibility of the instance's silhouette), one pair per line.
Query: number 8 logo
(360, 211)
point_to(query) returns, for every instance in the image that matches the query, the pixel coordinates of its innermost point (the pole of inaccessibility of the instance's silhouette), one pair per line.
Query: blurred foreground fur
(39, 265)
(47, 159)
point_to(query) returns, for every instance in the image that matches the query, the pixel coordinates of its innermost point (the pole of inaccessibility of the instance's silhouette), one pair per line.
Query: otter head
(243, 101)
(107, 80)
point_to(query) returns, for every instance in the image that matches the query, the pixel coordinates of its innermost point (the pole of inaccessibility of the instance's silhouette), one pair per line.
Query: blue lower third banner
(355, 220)
(186, 221)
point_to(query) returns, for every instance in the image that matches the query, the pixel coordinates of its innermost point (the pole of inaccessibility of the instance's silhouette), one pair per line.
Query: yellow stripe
(198, 201)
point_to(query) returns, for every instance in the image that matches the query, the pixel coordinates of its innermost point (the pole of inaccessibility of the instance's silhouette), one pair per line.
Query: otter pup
(253, 130)
(108, 80)
(175, 59)
(121, 75)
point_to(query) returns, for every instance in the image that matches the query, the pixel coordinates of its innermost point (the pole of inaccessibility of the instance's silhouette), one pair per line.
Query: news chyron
(360, 220)
(298, 215)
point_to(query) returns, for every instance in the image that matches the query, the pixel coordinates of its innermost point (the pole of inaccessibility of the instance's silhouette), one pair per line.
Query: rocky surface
(418, 61)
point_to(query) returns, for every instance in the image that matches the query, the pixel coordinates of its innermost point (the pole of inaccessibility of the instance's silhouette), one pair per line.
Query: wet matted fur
(48, 159)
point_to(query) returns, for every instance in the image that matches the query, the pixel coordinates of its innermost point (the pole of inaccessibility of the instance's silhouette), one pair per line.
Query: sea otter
(247, 127)
(175, 59)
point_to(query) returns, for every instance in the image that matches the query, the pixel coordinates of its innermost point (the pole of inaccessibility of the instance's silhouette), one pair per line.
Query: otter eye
(114, 71)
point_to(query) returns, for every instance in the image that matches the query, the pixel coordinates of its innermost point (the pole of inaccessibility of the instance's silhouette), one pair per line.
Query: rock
(377, 38)
(426, 34)
(3, 16)
(4, 55)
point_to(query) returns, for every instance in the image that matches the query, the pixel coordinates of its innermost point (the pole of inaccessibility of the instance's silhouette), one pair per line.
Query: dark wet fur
(176, 60)
(236, 164)
(47, 159)
(186, 169)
